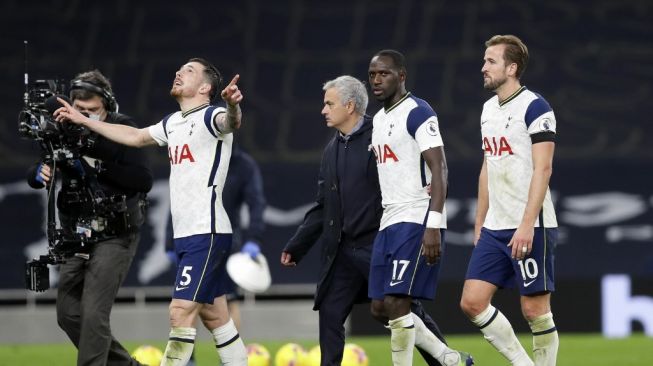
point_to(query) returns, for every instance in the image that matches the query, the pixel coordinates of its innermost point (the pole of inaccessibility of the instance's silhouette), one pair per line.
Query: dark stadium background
(590, 59)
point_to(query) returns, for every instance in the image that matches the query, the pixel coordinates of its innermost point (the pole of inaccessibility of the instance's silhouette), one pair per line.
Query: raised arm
(122, 134)
(230, 121)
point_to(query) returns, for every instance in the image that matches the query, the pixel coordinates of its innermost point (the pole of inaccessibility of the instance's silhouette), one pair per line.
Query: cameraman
(90, 278)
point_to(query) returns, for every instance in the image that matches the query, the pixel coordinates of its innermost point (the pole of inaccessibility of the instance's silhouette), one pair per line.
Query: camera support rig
(62, 145)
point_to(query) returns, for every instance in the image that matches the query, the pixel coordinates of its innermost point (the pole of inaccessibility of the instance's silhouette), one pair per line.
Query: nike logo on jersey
(483, 122)
(526, 284)
(393, 283)
(177, 288)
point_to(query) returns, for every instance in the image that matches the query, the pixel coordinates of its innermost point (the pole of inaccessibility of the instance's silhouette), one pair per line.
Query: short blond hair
(516, 51)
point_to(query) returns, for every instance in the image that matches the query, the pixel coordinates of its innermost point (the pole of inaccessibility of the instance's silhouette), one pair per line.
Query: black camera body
(35, 121)
(37, 274)
(87, 214)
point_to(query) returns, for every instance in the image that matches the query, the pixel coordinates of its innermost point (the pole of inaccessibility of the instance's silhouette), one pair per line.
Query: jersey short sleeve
(428, 134)
(209, 118)
(422, 124)
(539, 117)
(158, 133)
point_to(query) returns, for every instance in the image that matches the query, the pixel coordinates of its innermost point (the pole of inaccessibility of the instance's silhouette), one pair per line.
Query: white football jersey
(399, 136)
(506, 130)
(199, 159)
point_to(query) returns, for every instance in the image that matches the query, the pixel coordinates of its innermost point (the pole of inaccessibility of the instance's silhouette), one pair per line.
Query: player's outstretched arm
(122, 134)
(230, 121)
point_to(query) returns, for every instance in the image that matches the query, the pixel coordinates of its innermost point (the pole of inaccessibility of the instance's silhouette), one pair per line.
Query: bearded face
(495, 70)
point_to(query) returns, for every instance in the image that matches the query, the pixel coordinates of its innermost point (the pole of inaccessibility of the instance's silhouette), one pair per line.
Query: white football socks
(545, 340)
(428, 342)
(498, 331)
(180, 346)
(402, 340)
(229, 345)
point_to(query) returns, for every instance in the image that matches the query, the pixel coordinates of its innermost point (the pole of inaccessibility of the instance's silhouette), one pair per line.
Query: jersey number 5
(185, 276)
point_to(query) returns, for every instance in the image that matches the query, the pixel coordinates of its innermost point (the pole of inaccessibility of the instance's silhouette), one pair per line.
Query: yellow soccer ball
(148, 355)
(291, 354)
(314, 356)
(354, 355)
(257, 355)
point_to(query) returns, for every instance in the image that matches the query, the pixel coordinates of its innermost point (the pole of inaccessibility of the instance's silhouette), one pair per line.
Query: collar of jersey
(398, 102)
(513, 96)
(192, 110)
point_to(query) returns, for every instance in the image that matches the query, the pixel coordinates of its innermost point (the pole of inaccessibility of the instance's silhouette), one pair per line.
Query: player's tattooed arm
(230, 121)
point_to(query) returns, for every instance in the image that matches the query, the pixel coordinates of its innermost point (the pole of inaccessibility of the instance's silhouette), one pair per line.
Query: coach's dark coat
(323, 222)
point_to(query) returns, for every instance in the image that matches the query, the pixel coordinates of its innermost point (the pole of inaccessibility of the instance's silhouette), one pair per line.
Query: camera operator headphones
(112, 104)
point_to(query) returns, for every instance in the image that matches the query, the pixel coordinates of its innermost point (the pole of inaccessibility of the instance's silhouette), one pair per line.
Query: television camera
(95, 215)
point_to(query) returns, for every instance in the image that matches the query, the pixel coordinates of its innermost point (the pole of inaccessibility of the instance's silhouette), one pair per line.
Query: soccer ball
(354, 355)
(314, 356)
(291, 354)
(148, 355)
(257, 355)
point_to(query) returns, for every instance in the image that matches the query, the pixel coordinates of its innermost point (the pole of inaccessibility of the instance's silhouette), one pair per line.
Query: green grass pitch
(575, 350)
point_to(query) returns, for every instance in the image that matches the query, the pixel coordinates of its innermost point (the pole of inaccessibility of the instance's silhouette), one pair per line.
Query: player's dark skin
(388, 84)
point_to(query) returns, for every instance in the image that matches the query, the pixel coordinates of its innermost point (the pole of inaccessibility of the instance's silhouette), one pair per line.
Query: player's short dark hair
(398, 59)
(212, 75)
(82, 91)
(516, 51)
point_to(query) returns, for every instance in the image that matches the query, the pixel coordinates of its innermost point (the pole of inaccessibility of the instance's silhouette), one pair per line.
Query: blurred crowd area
(590, 59)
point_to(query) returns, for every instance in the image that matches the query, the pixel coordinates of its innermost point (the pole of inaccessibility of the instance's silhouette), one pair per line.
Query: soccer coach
(345, 219)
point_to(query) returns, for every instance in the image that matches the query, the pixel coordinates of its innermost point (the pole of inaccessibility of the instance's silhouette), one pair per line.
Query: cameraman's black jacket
(123, 171)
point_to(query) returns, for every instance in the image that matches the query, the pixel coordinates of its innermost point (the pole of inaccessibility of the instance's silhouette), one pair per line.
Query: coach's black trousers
(87, 290)
(348, 280)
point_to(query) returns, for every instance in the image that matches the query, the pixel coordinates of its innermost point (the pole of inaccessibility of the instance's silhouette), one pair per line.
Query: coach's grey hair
(349, 88)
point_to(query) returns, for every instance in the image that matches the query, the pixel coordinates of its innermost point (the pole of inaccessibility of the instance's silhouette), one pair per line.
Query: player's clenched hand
(431, 245)
(522, 242)
(286, 259)
(231, 94)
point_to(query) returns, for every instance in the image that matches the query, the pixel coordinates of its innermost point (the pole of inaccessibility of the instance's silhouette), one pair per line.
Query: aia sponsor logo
(178, 155)
(496, 146)
(384, 153)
